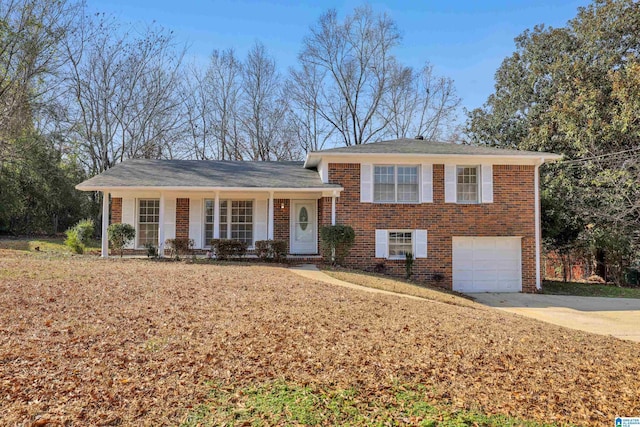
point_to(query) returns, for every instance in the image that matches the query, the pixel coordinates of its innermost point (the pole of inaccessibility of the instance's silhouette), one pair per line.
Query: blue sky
(464, 40)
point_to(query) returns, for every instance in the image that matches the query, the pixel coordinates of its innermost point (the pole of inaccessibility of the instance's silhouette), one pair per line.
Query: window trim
(413, 244)
(207, 244)
(478, 200)
(395, 183)
(137, 244)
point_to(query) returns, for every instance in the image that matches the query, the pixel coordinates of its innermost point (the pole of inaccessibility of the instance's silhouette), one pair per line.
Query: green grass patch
(49, 245)
(281, 403)
(553, 287)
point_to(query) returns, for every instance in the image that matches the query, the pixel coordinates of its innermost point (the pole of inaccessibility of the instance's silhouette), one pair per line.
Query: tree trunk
(601, 265)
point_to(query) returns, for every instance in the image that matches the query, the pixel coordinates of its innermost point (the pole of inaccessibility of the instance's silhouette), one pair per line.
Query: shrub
(278, 250)
(263, 249)
(275, 250)
(408, 265)
(73, 241)
(152, 250)
(180, 246)
(337, 241)
(79, 235)
(119, 235)
(85, 230)
(227, 248)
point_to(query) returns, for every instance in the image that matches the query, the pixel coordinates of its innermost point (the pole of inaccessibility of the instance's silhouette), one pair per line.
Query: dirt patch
(102, 342)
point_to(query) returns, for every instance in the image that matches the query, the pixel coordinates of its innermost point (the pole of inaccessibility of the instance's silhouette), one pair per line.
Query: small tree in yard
(120, 235)
(337, 241)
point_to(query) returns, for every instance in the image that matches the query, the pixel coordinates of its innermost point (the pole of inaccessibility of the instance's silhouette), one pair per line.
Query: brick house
(469, 215)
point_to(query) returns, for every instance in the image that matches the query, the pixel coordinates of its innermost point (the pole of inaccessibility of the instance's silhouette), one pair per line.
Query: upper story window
(395, 184)
(467, 184)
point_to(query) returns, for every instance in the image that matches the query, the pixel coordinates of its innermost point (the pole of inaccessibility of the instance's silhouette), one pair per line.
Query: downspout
(537, 225)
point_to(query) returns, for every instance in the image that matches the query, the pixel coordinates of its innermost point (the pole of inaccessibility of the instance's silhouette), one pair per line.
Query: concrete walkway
(310, 271)
(619, 317)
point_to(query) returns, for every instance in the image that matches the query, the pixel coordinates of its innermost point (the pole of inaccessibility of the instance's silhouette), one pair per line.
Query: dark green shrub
(227, 248)
(337, 241)
(152, 250)
(119, 235)
(180, 246)
(408, 265)
(275, 250)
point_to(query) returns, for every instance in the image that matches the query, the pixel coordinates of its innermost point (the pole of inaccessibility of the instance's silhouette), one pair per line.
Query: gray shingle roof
(206, 173)
(417, 146)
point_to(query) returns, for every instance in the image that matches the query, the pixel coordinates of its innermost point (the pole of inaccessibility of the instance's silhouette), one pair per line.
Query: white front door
(304, 234)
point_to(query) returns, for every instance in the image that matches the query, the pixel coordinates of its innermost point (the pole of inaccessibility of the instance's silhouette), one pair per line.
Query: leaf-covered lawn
(85, 341)
(553, 287)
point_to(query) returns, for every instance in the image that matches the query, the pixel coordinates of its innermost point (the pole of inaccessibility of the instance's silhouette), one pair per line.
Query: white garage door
(487, 264)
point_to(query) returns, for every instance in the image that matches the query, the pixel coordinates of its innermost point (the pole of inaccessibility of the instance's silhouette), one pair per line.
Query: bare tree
(123, 100)
(304, 90)
(356, 61)
(31, 37)
(264, 106)
(419, 103)
(224, 78)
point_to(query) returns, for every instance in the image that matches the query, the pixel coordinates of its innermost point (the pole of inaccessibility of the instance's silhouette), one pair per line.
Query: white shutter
(129, 216)
(366, 183)
(169, 218)
(260, 216)
(196, 222)
(450, 183)
(427, 183)
(487, 183)
(420, 243)
(382, 237)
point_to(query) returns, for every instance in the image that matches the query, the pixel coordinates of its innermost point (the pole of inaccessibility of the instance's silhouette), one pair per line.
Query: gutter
(204, 189)
(313, 158)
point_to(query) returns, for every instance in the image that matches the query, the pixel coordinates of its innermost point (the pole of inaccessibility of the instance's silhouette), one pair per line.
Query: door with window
(304, 234)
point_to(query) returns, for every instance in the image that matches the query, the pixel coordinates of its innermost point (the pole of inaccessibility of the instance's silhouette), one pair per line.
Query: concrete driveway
(619, 317)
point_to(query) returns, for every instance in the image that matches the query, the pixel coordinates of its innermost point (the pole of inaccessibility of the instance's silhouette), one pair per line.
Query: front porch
(248, 215)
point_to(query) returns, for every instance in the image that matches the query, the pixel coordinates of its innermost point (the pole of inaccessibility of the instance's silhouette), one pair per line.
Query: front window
(395, 184)
(148, 220)
(467, 184)
(236, 220)
(400, 244)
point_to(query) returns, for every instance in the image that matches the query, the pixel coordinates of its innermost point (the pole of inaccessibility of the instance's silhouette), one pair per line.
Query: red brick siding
(511, 214)
(281, 215)
(182, 218)
(116, 210)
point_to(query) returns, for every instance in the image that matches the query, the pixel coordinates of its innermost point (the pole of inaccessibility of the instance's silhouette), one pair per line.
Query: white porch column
(105, 224)
(270, 217)
(161, 227)
(333, 209)
(216, 217)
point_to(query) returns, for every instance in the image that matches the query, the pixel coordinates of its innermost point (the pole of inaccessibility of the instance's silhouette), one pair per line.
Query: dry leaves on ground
(103, 342)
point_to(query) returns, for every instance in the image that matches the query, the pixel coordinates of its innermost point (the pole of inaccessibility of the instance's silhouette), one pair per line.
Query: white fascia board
(329, 191)
(313, 159)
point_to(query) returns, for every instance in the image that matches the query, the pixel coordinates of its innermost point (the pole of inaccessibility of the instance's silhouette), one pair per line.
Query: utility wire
(584, 159)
